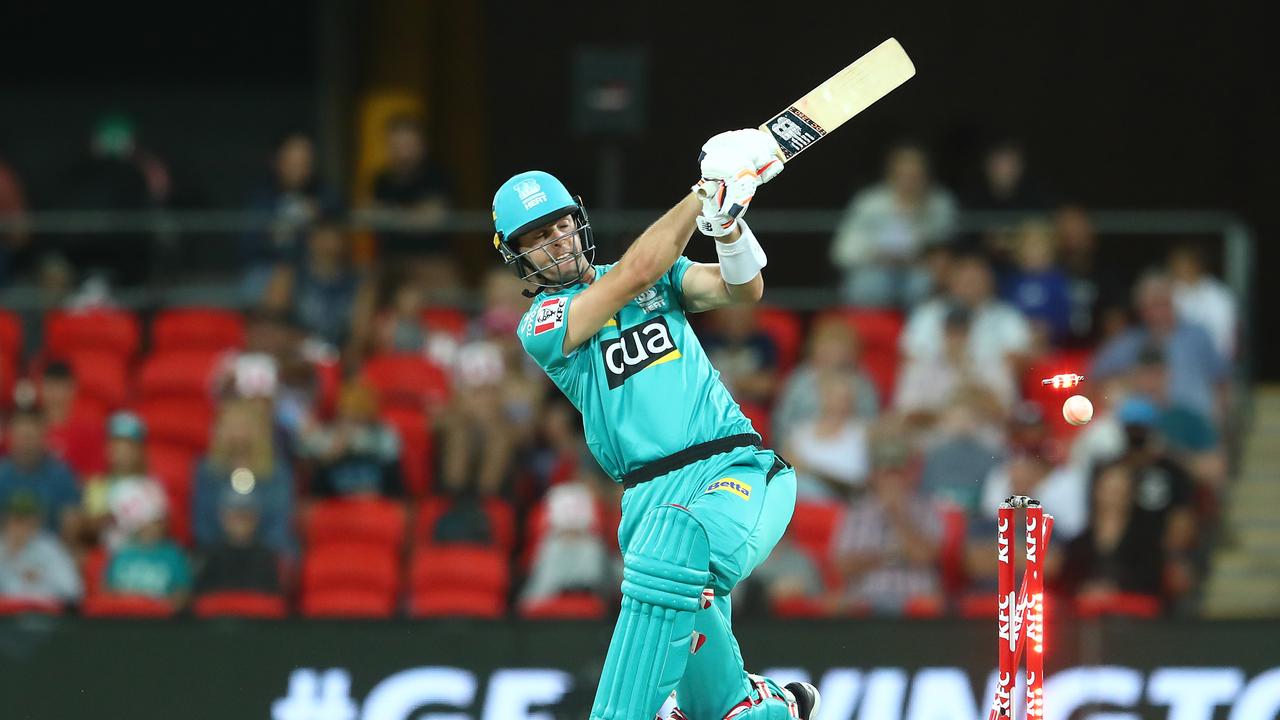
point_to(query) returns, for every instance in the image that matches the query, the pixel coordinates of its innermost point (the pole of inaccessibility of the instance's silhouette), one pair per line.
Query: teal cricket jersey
(643, 384)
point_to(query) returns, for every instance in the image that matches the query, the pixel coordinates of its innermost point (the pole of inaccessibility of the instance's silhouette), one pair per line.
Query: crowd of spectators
(908, 414)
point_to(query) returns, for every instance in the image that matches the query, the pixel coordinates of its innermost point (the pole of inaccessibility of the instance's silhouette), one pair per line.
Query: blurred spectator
(998, 333)
(400, 327)
(240, 561)
(1033, 470)
(1202, 299)
(1036, 286)
(33, 564)
(242, 456)
(887, 549)
(14, 240)
(928, 383)
(572, 556)
(76, 438)
(356, 454)
(1189, 436)
(833, 350)
(278, 366)
(745, 355)
(330, 298)
(109, 507)
(1196, 372)
(1098, 291)
(963, 450)
(30, 467)
(148, 563)
(291, 201)
(787, 573)
(830, 452)
(887, 227)
(1114, 553)
(1005, 185)
(558, 451)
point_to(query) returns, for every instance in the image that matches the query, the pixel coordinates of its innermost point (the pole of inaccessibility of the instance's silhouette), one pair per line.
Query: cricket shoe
(807, 699)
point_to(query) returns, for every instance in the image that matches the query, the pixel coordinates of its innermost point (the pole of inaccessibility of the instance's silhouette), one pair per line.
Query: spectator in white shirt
(34, 565)
(1202, 299)
(829, 452)
(929, 383)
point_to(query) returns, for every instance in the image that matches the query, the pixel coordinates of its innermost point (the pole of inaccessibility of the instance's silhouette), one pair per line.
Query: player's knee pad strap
(665, 569)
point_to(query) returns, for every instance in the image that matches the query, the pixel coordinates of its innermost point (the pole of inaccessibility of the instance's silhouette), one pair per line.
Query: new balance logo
(789, 131)
(637, 348)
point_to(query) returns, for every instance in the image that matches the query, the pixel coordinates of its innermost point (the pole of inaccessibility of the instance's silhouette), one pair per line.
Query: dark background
(1121, 105)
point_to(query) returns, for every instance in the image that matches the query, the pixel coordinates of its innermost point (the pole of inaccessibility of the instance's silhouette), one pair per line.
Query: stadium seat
(456, 602)
(11, 340)
(923, 607)
(114, 331)
(786, 330)
(100, 376)
(569, 606)
(799, 607)
(240, 604)
(350, 565)
(362, 520)
(440, 567)
(407, 381)
(502, 521)
(92, 569)
(183, 422)
(876, 329)
(882, 367)
(1133, 605)
(760, 419)
(174, 466)
(125, 606)
(347, 603)
(447, 320)
(813, 534)
(951, 560)
(978, 605)
(29, 606)
(535, 528)
(417, 464)
(196, 328)
(178, 374)
(8, 376)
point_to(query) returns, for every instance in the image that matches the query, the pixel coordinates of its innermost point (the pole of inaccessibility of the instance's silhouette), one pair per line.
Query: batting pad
(664, 571)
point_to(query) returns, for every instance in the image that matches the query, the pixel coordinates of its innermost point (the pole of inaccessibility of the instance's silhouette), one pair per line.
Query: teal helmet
(528, 201)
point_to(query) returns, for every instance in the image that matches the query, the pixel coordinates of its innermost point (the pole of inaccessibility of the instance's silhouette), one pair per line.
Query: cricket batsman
(704, 502)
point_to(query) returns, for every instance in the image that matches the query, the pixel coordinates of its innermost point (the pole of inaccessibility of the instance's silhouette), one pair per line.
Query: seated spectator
(745, 355)
(400, 327)
(559, 451)
(1189, 436)
(356, 454)
(240, 562)
(962, 451)
(999, 334)
(830, 452)
(572, 556)
(242, 456)
(148, 562)
(1116, 553)
(331, 300)
(34, 565)
(31, 467)
(833, 349)
(1037, 287)
(787, 573)
(887, 549)
(1005, 185)
(887, 228)
(292, 199)
(928, 384)
(1197, 373)
(280, 368)
(1033, 470)
(74, 437)
(109, 515)
(1201, 299)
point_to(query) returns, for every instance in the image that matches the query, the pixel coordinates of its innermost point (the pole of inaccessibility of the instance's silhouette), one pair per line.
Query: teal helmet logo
(526, 202)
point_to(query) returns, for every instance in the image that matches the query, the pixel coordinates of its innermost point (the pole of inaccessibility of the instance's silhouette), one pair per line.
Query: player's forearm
(657, 249)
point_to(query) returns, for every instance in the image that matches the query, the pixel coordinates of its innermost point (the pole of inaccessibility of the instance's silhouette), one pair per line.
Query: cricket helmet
(528, 201)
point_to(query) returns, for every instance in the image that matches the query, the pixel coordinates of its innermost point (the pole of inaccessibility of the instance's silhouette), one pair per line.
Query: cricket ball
(1077, 410)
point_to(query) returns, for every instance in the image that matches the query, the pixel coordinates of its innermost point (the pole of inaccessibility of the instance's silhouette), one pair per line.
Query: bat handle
(707, 188)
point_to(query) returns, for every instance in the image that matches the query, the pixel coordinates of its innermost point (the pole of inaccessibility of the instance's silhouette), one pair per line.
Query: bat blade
(843, 95)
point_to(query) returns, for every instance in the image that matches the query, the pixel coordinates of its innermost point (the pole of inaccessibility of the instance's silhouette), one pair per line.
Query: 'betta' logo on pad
(737, 487)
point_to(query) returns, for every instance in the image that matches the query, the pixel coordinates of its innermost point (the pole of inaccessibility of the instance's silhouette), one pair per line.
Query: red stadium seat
(174, 467)
(569, 606)
(882, 366)
(456, 602)
(951, 560)
(126, 606)
(92, 570)
(8, 376)
(29, 606)
(876, 329)
(978, 605)
(459, 566)
(407, 381)
(363, 520)
(182, 422)
(416, 461)
(114, 331)
(799, 607)
(786, 330)
(178, 374)
(1133, 605)
(502, 521)
(760, 419)
(535, 528)
(11, 343)
(187, 329)
(348, 603)
(812, 531)
(349, 565)
(447, 320)
(240, 604)
(101, 376)
(923, 607)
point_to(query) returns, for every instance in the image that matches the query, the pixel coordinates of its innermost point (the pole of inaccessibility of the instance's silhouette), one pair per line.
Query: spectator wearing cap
(31, 467)
(242, 455)
(833, 348)
(240, 561)
(110, 516)
(1201, 299)
(830, 452)
(930, 382)
(356, 454)
(887, 549)
(34, 565)
(1188, 435)
(71, 434)
(1197, 372)
(147, 562)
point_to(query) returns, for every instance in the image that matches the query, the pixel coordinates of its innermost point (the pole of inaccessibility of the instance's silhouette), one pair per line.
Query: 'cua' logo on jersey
(637, 348)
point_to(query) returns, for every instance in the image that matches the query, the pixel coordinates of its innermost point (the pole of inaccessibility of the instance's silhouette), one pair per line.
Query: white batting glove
(731, 153)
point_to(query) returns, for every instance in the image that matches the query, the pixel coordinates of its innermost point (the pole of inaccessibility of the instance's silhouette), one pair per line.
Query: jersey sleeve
(542, 331)
(675, 277)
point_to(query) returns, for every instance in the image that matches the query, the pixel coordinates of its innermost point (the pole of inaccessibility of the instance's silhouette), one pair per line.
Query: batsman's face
(554, 247)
